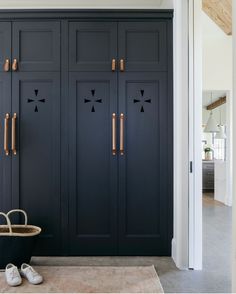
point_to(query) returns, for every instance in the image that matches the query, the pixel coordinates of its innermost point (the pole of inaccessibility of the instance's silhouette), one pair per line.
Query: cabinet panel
(5, 161)
(93, 168)
(36, 45)
(36, 166)
(92, 46)
(5, 43)
(108, 204)
(144, 172)
(143, 45)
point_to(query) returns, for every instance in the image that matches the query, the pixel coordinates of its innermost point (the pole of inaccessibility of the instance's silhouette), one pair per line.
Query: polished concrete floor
(216, 274)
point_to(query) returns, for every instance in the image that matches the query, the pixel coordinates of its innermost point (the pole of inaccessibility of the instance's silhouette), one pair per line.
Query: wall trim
(86, 13)
(181, 161)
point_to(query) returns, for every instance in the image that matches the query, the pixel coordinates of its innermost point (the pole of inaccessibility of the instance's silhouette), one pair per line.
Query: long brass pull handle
(15, 65)
(121, 134)
(122, 65)
(13, 134)
(113, 65)
(6, 127)
(113, 134)
(6, 66)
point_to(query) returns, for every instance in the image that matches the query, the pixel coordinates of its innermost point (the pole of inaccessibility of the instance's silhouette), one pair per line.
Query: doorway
(212, 81)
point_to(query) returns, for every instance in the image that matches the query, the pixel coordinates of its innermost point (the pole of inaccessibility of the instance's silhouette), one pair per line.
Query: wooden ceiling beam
(217, 103)
(220, 11)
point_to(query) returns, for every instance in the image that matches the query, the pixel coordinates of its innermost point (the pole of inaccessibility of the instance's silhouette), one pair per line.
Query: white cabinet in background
(220, 181)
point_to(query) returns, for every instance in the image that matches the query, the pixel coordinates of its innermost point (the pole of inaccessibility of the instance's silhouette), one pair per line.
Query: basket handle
(8, 221)
(18, 210)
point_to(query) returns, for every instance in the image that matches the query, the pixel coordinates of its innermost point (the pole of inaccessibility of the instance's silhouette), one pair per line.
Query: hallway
(216, 273)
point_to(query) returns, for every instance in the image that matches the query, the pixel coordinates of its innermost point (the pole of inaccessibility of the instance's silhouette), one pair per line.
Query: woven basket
(17, 241)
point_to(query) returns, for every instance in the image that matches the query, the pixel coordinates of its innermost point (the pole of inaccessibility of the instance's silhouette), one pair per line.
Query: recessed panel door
(93, 164)
(5, 111)
(36, 162)
(5, 46)
(92, 46)
(5, 144)
(143, 45)
(144, 170)
(36, 46)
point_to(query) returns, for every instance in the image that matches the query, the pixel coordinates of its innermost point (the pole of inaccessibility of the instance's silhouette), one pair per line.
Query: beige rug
(90, 279)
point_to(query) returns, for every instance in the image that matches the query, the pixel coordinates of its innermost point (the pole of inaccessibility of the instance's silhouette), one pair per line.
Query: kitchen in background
(214, 144)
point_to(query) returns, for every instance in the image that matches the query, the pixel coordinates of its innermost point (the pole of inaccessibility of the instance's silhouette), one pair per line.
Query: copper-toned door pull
(113, 134)
(13, 134)
(113, 65)
(122, 65)
(6, 135)
(15, 65)
(121, 134)
(6, 66)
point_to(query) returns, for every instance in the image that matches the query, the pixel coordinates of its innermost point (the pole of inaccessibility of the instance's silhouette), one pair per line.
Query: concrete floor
(216, 274)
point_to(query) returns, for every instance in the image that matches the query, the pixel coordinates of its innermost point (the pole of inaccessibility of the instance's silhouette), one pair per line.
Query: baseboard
(173, 250)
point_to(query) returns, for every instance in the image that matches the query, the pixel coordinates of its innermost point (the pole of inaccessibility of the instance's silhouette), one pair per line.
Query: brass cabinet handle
(113, 65)
(6, 138)
(122, 65)
(6, 66)
(113, 134)
(15, 65)
(13, 134)
(121, 134)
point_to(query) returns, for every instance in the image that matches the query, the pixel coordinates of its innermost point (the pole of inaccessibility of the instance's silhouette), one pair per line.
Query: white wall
(217, 57)
(234, 157)
(44, 4)
(180, 242)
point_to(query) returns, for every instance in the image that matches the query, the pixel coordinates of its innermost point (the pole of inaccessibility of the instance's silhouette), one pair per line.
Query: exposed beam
(220, 11)
(217, 103)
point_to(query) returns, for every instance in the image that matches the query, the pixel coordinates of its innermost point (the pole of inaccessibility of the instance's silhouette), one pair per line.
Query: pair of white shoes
(13, 276)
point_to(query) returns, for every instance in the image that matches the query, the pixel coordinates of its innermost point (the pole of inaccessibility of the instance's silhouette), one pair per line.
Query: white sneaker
(30, 274)
(12, 275)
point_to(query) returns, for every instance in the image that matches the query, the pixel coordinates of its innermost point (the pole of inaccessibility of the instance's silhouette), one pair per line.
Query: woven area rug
(90, 279)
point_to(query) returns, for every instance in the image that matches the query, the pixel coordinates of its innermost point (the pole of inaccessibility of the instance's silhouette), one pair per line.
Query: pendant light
(221, 134)
(211, 126)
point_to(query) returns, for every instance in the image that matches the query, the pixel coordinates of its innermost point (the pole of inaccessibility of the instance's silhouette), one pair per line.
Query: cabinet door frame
(159, 29)
(52, 27)
(5, 161)
(103, 246)
(5, 107)
(126, 240)
(17, 78)
(92, 26)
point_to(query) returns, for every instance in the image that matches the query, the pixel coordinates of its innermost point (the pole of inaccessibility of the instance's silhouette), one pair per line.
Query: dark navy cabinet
(86, 128)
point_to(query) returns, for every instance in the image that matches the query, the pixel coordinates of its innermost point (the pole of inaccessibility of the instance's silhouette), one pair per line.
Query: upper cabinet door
(36, 46)
(92, 46)
(143, 46)
(5, 44)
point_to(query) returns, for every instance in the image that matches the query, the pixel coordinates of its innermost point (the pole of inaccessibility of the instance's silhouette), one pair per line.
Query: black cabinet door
(92, 46)
(5, 43)
(144, 174)
(143, 45)
(5, 108)
(36, 45)
(36, 165)
(93, 168)
(5, 160)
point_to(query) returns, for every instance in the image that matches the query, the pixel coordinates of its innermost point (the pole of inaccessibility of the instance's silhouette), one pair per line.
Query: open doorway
(216, 146)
